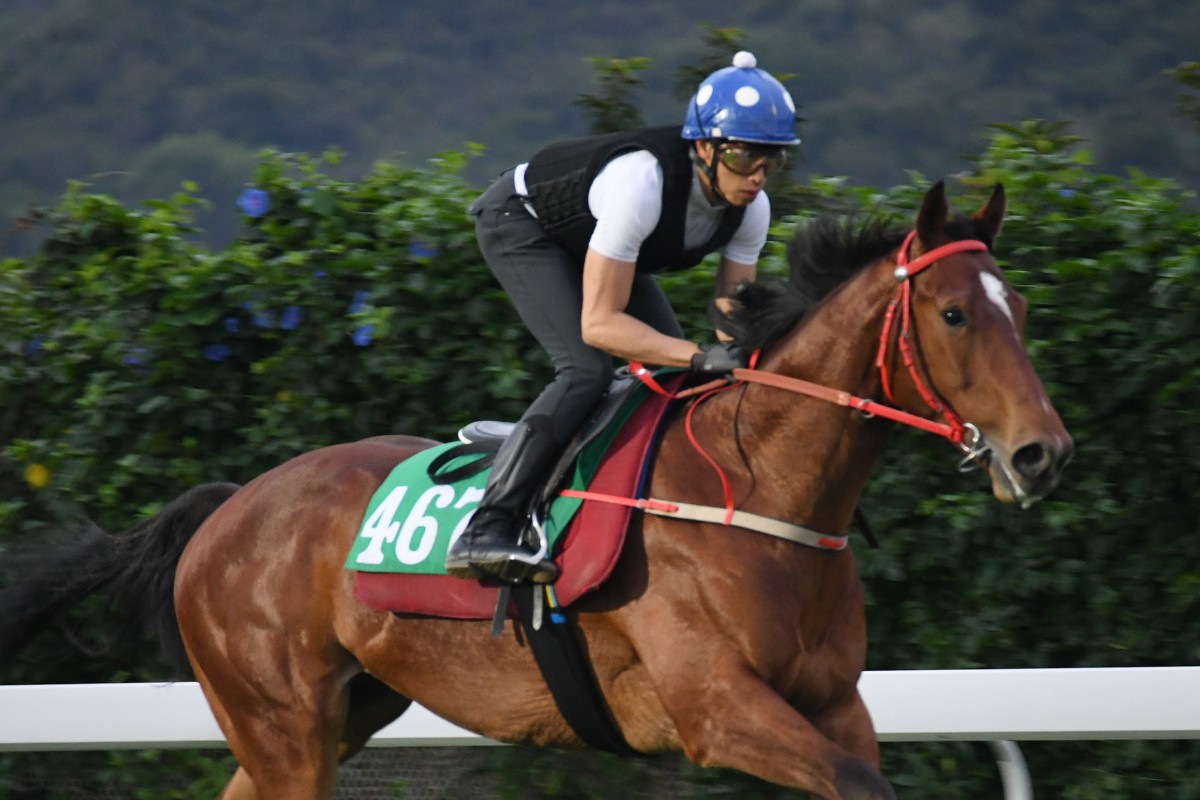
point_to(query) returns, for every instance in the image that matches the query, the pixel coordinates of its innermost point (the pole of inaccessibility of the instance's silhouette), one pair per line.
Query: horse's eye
(953, 316)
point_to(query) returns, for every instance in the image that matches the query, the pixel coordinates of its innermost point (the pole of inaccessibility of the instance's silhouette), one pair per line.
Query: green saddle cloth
(411, 520)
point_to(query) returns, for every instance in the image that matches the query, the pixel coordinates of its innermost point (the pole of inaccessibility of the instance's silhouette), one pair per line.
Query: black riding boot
(492, 544)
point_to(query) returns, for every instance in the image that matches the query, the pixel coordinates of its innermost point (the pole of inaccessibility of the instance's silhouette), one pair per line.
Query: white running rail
(998, 706)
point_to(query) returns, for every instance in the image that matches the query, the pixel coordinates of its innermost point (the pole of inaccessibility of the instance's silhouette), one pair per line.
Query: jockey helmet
(742, 103)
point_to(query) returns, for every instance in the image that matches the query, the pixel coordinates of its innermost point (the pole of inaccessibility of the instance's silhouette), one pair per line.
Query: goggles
(747, 159)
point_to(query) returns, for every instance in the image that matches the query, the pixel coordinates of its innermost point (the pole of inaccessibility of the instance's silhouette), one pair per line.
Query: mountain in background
(135, 97)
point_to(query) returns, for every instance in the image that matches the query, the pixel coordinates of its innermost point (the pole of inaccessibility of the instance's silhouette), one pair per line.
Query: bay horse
(742, 650)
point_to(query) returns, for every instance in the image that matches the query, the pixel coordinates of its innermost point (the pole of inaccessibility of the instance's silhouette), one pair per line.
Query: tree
(719, 46)
(612, 108)
(1188, 75)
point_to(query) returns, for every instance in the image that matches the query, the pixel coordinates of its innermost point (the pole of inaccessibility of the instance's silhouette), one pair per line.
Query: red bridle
(961, 433)
(905, 270)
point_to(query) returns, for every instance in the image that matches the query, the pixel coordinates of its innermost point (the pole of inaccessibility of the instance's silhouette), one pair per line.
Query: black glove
(719, 359)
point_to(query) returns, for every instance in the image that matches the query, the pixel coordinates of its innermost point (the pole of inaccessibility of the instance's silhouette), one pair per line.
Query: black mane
(821, 256)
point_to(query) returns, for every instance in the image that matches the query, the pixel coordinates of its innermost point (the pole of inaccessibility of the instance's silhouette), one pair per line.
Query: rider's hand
(719, 359)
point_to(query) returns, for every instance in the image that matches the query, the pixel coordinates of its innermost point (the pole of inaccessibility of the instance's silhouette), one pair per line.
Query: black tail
(136, 567)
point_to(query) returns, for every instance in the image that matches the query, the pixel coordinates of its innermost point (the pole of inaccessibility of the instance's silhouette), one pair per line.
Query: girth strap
(567, 671)
(754, 522)
(721, 516)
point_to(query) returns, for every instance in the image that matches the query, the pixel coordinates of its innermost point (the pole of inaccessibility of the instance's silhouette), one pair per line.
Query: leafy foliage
(1188, 76)
(144, 363)
(719, 45)
(612, 108)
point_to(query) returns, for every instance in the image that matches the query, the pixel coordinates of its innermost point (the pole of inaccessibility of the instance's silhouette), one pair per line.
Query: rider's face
(742, 169)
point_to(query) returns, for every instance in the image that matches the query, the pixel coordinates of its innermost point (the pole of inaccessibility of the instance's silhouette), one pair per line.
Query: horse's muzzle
(1032, 471)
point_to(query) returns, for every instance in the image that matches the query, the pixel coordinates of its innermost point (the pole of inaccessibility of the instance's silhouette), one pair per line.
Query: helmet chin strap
(710, 171)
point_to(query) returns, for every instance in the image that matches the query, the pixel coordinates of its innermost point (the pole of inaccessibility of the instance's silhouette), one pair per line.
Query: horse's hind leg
(373, 705)
(240, 787)
(285, 737)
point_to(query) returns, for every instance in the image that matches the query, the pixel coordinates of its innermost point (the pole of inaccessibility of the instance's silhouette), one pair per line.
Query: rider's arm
(626, 200)
(607, 283)
(739, 259)
(729, 275)
(732, 273)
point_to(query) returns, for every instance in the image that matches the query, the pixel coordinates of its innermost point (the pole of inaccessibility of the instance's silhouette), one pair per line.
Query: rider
(574, 237)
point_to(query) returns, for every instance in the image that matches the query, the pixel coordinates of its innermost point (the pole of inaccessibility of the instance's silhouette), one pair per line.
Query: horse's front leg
(848, 724)
(727, 716)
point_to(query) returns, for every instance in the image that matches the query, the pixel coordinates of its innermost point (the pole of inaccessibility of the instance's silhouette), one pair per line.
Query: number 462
(416, 534)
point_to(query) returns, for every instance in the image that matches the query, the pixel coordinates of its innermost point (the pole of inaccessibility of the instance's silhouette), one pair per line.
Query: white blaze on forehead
(997, 293)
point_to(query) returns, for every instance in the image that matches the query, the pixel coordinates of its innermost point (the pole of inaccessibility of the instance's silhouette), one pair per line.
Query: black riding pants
(545, 284)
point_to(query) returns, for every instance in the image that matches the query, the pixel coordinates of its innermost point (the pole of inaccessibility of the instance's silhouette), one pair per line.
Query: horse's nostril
(1031, 460)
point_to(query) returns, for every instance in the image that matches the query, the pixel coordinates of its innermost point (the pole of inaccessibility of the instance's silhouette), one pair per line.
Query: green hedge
(144, 363)
(137, 363)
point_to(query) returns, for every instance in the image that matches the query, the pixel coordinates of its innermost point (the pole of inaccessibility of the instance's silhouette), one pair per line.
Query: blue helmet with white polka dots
(742, 103)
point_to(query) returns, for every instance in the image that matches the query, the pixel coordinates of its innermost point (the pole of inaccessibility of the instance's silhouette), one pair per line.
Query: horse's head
(959, 326)
(950, 357)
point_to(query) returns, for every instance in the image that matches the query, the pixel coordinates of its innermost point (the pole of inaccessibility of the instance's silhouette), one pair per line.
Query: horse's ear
(931, 219)
(991, 216)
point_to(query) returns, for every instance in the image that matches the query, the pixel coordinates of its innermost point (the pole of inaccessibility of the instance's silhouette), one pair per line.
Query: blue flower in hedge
(362, 334)
(261, 317)
(360, 300)
(291, 318)
(136, 356)
(254, 202)
(215, 351)
(34, 347)
(232, 324)
(421, 250)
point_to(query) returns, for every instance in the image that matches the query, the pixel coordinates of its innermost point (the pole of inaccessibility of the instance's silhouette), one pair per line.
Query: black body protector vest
(559, 176)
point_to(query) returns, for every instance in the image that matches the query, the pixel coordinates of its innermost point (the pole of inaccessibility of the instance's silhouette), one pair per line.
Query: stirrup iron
(533, 567)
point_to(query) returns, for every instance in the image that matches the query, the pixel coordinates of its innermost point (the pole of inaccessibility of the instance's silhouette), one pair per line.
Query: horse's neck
(809, 459)
(836, 345)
